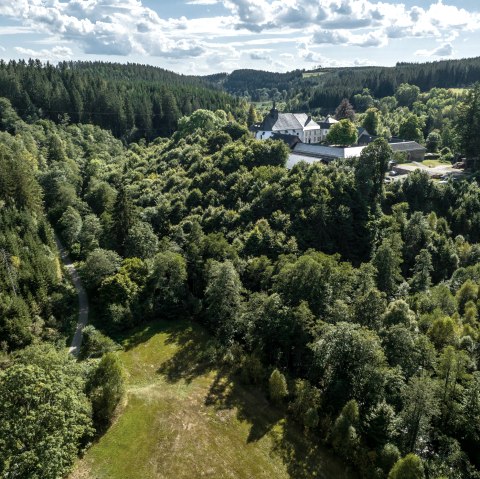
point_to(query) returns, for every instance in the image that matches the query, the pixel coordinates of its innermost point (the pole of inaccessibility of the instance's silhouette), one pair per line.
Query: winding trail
(83, 307)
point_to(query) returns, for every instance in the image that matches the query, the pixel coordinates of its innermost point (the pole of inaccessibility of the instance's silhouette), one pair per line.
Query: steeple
(274, 111)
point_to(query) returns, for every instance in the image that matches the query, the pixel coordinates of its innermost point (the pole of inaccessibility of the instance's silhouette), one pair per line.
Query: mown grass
(313, 74)
(184, 418)
(433, 163)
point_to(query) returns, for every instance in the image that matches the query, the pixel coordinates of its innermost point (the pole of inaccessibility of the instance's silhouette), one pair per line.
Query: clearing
(182, 418)
(434, 163)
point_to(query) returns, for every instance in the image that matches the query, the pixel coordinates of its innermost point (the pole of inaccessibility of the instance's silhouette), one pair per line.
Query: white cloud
(377, 21)
(331, 37)
(445, 50)
(363, 62)
(263, 55)
(202, 2)
(14, 30)
(345, 37)
(113, 27)
(129, 28)
(53, 54)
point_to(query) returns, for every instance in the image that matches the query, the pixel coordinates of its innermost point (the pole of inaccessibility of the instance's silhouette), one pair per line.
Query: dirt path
(83, 307)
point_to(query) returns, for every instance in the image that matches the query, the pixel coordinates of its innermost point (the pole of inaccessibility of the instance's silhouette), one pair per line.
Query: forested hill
(133, 101)
(140, 101)
(347, 306)
(245, 82)
(325, 87)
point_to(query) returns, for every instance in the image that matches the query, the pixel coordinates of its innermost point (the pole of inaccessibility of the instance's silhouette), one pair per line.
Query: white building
(294, 124)
(314, 153)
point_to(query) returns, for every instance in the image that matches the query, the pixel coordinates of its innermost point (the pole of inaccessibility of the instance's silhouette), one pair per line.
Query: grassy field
(433, 163)
(313, 74)
(182, 418)
(428, 163)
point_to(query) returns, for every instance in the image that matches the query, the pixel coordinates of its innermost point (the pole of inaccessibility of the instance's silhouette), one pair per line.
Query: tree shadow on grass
(305, 456)
(302, 454)
(194, 357)
(226, 392)
(141, 334)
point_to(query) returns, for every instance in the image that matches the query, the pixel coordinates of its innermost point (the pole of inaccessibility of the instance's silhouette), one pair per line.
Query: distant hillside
(325, 87)
(140, 101)
(241, 82)
(132, 100)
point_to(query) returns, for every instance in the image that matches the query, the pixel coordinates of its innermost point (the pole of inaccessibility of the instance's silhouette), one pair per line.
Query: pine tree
(123, 218)
(345, 438)
(171, 112)
(422, 269)
(252, 116)
(387, 260)
(105, 389)
(223, 299)
(469, 124)
(420, 405)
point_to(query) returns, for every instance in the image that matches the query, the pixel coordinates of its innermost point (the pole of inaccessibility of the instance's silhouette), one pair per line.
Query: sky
(211, 36)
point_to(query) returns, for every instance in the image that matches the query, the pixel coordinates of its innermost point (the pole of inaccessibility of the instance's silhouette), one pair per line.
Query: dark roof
(320, 151)
(396, 139)
(290, 140)
(276, 121)
(325, 126)
(364, 137)
(407, 146)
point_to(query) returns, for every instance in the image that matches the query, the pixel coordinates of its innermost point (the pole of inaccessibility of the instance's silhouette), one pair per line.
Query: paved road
(82, 299)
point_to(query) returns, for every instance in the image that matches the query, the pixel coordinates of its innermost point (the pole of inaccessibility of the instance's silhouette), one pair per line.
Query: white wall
(312, 136)
(263, 135)
(315, 135)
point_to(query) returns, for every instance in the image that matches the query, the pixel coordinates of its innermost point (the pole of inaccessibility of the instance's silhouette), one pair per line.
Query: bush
(99, 264)
(252, 371)
(306, 403)
(118, 316)
(105, 389)
(277, 386)
(45, 416)
(410, 467)
(388, 456)
(95, 344)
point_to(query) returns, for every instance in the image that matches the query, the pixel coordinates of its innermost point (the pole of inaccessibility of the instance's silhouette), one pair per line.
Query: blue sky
(206, 36)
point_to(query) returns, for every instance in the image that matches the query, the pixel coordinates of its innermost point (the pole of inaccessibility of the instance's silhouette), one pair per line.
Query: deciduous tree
(342, 133)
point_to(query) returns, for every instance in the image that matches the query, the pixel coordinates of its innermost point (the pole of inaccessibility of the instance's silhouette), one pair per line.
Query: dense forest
(133, 101)
(138, 101)
(351, 302)
(324, 88)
